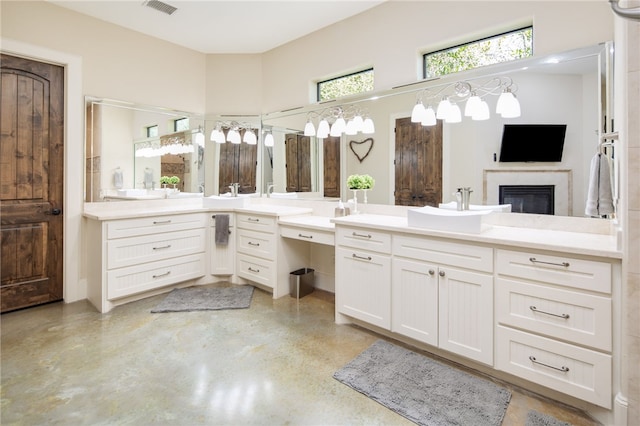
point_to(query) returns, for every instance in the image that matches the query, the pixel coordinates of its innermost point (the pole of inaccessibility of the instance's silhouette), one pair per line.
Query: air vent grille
(160, 6)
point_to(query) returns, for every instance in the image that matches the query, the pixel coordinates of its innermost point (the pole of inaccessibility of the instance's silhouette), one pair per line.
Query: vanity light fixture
(233, 131)
(345, 120)
(268, 139)
(471, 94)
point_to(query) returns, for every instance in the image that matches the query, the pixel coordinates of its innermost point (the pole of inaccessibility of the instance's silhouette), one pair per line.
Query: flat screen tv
(532, 142)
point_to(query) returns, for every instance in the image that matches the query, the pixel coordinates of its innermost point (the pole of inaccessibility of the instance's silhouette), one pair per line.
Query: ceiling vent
(160, 6)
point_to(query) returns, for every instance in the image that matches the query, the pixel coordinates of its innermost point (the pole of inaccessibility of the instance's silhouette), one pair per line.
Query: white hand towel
(599, 195)
(117, 179)
(148, 179)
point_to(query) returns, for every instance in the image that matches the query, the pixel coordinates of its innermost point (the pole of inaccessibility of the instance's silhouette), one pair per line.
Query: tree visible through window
(492, 50)
(181, 124)
(346, 85)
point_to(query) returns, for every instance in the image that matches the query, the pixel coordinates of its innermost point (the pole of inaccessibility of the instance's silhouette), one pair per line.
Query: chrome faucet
(462, 198)
(234, 187)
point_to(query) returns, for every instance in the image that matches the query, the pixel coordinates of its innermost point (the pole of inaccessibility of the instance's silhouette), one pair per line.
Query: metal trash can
(301, 282)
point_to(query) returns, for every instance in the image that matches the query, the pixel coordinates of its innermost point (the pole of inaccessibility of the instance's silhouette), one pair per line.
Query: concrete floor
(271, 364)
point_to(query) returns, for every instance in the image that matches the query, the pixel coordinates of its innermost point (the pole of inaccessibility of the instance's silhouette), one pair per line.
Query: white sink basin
(468, 221)
(132, 192)
(283, 195)
(224, 202)
(185, 195)
(505, 208)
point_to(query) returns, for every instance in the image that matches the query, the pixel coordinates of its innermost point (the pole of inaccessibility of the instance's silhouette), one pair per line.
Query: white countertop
(601, 245)
(319, 223)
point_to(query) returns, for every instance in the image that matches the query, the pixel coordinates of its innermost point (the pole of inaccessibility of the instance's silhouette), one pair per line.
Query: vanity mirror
(571, 89)
(130, 147)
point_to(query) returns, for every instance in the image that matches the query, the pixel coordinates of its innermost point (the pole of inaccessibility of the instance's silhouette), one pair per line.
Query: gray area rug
(535, 418)
(206, 299)
(423, 390)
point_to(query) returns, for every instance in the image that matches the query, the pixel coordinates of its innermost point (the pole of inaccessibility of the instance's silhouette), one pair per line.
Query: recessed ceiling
(223, 26)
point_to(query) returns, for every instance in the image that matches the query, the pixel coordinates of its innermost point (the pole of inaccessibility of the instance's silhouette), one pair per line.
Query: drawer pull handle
(355, 234)
(253, 270)
(161, 222)
(253, 244)
(162, 275)
(534, 309)
(563, 368)
(163, 247)
(355, 256)
(534, 260)
(250, 219)
(305, 236)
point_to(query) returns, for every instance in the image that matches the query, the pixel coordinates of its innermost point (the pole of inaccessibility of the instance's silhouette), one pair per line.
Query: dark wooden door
(237, 164)
(31, 182)
(418, 163)
(331, 165)
(298, 153)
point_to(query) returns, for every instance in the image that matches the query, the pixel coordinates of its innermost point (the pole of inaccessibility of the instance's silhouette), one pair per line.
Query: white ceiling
(218, 26)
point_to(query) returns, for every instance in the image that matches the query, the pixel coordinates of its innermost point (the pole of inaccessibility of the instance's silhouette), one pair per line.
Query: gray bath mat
(423, 390)
(535, 418)
(206, 299)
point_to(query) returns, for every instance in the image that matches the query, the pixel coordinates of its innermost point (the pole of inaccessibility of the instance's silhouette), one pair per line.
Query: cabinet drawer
(561, 270)
(444, 252)
(261, 271)
(579, 372)
(256, 222)
(577, 317)
(154, 224)
(212, 218)
(148, 248)
(366, 239)
(312, 236)
(136, 279)
(258, 244)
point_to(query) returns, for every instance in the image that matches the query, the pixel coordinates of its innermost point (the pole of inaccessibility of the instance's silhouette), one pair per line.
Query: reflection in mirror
(129, 148)
(232, 153)
(569, 88)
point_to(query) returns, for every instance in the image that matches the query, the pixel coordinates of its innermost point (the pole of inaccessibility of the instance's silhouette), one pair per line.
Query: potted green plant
(174, 180)
(165, 180)
(360, 182)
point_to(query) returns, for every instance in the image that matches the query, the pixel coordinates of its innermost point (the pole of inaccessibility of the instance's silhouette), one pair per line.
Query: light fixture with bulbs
(233, 133)
(174, 144)
(472, 95)
(336, 121)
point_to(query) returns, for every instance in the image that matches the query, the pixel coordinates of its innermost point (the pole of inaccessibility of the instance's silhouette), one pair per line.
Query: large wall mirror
(130, 148)
(572, 88)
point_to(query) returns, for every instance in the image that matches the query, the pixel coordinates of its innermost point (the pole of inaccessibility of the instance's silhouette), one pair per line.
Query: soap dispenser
(340, 210)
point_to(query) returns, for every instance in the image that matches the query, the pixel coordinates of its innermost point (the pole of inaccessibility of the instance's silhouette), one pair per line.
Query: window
(492, 50)
(181, 124)
(346, 85)
(152, 131)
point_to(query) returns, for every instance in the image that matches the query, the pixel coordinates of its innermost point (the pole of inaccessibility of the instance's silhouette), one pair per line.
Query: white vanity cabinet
(222, 257)
(442, 295)
(256, 248)
(129, 257)
(554, 322)
(363, 275)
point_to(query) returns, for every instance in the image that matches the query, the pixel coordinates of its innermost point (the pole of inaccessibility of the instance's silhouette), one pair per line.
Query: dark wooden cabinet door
(331, 165)
(31, 182)
(237, 164)
(298, 153)
(418, 164)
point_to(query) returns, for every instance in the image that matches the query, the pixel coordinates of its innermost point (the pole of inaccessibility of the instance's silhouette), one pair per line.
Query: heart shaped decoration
(363, 147)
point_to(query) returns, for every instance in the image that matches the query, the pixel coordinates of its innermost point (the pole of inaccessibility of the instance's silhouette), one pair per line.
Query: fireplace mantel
(561, 179)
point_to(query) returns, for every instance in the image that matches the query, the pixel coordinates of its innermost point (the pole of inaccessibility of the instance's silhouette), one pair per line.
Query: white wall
(392, 37)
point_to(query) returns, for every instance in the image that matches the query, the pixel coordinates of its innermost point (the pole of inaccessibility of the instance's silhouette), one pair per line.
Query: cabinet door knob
(441, 273)
(431, 272)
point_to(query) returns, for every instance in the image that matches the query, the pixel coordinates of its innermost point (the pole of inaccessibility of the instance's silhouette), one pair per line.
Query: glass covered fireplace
(537, 199)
